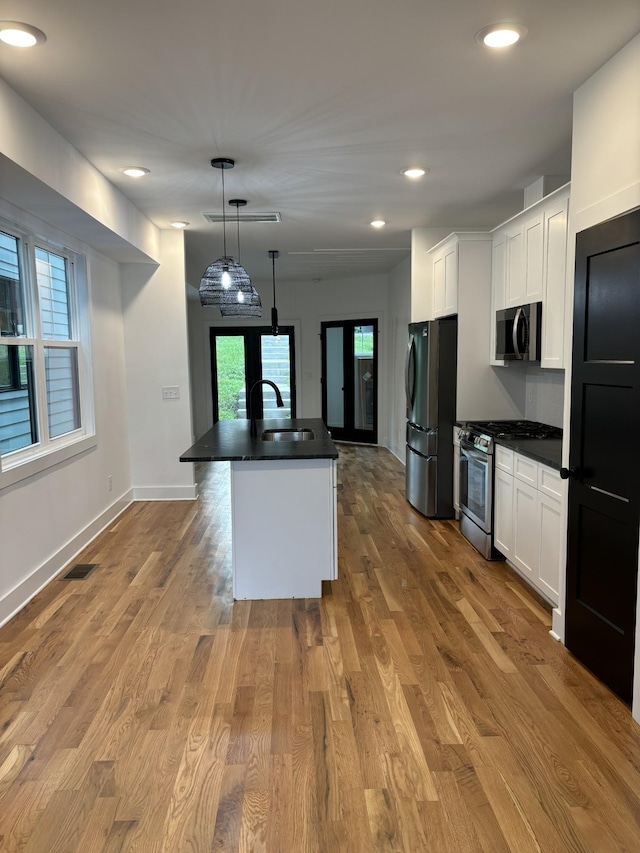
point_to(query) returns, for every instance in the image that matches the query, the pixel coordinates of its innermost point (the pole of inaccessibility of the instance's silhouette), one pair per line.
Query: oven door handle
(474, 454)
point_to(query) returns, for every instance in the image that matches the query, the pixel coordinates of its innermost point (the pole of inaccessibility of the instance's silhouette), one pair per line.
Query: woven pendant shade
(225, 284)
(247, 303)
(222, 281)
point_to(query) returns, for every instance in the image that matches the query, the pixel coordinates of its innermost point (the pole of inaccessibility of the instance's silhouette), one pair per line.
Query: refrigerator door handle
(409, 361)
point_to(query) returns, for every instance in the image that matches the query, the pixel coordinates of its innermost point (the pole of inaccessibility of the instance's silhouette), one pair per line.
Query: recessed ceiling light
(20, 35)
(501, 35)
(414, 172)
(179, 223)
(136, 171)
(378, 223)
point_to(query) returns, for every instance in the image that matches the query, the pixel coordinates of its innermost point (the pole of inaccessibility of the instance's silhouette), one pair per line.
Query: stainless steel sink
(288, 434)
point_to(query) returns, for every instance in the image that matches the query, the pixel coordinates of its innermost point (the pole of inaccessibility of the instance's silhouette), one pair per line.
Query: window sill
(37, 464)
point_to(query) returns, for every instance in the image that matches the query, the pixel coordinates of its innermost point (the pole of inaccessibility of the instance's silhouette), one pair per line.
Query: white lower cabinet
(503, 513)
(550, 539)
(526, 543)
(527, 519)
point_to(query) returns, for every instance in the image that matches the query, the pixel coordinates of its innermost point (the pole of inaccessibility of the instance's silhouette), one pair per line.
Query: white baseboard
(399, 454)
(557, 625)
(165, 493)
(20, 595)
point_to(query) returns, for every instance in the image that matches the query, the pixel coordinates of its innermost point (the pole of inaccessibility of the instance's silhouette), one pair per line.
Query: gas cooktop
(514, 429)
(482, 434)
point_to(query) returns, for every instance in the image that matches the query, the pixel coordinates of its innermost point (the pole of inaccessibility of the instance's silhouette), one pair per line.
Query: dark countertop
(545, 450)
(231, 441)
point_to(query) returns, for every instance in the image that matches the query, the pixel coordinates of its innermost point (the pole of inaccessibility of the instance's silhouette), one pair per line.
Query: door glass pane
(276, 366)
(17, 399)
(476, 488)
(335, 376)
(231, 377)
(363, 377)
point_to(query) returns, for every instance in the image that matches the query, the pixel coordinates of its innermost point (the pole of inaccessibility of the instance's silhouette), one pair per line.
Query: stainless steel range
(476, 475)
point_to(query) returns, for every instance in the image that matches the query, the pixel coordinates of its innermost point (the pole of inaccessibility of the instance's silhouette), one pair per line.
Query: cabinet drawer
(525, 470)
(549, 482)
(504, 459)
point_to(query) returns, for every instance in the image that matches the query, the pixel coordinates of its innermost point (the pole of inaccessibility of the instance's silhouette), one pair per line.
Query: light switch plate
(170, 392)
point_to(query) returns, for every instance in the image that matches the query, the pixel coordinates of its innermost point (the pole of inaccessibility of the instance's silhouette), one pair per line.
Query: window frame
(46, 451)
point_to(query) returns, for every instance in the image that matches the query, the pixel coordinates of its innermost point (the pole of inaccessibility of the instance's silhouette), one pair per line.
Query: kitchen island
(283, 505)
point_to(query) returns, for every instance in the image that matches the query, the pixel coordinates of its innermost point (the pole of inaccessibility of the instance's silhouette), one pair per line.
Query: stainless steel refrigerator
(430, 378)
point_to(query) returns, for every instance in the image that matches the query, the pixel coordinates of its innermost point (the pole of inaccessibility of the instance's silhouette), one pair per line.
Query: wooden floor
(421, 705)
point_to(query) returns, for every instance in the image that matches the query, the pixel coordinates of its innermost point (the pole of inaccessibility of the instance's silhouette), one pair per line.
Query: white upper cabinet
(529, 265)
(445, 278)
(554, 280)
(514, 264)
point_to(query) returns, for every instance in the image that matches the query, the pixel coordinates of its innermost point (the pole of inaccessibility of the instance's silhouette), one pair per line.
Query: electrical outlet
(170, 392)
(110, 482)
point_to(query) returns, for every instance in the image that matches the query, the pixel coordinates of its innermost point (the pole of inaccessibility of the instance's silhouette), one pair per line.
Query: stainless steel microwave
(518, 333)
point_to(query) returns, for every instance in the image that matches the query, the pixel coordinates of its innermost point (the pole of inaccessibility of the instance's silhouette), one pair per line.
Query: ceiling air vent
(245, 217)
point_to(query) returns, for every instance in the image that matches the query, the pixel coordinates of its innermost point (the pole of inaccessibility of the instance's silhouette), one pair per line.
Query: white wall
(42, 172)
(605, 182)
(69, 503)
(155, 324)
(305, 305)
(545, 396)
(422, 239)
(399, 314)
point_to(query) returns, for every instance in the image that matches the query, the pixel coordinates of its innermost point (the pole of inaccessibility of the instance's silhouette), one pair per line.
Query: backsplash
(544, 398)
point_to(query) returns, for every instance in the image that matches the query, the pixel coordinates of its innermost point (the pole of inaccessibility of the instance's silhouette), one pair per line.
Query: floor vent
(79, 572)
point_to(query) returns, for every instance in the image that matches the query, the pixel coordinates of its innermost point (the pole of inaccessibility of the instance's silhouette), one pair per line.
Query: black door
(240, 355)
(350, 379)
(604, 490)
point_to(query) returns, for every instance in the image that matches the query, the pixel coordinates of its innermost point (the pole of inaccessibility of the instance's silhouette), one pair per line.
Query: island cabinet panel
(284, 527)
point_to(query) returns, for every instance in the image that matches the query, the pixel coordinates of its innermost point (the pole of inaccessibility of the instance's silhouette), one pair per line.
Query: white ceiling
(321, 104)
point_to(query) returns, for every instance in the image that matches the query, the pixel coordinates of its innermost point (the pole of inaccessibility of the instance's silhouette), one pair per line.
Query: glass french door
(350, 379)
(242, 355)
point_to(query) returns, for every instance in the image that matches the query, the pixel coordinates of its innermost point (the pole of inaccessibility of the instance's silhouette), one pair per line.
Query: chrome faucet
(279, 403)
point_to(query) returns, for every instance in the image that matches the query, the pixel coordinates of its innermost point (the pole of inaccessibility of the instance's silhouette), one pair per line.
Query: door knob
(565, 473)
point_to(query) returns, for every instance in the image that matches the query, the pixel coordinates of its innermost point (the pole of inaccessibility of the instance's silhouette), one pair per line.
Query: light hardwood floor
(420, 705)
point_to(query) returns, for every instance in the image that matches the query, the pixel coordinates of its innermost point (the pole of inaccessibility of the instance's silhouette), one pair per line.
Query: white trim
(165, 493)
(47, 452)
(21, 594)
(48, 459)
(557, 618)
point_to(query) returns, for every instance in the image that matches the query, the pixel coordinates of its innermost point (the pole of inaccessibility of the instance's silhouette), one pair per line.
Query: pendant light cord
(273, 272)
(238, 224)
(224, 220)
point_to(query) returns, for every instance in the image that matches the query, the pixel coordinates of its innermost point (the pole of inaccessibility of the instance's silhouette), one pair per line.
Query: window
(45, 393)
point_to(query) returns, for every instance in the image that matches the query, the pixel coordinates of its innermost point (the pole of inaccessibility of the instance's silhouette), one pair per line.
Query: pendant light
(247, 301)
(223, 279)
(273, 254)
